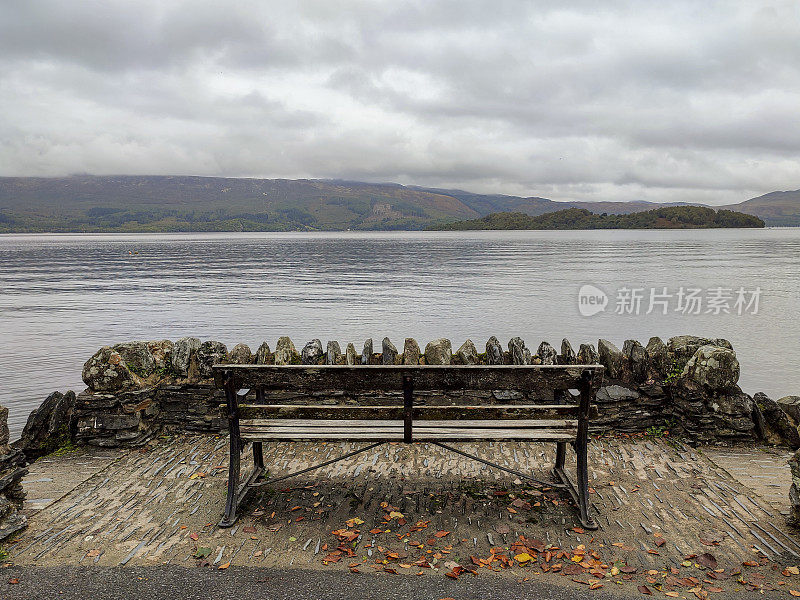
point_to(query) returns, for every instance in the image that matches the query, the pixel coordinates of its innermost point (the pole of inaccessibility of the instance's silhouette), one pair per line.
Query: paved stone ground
(763, 469)
(421, 510)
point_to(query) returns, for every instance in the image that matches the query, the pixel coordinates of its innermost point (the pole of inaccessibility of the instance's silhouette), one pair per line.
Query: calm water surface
(64, 296)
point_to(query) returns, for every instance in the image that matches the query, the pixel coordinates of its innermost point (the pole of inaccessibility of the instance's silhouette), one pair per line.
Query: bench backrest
(377, 391)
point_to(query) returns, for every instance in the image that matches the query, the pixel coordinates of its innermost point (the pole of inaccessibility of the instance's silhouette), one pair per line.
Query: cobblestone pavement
(420, 509)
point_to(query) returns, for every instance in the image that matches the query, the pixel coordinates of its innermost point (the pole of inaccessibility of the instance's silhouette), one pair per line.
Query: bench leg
(258, 456)
(232, 501)
(234, 465)
(561, 451)
(581, 449)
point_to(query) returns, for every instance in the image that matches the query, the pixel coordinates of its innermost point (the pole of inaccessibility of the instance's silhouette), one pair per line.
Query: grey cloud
(618, 100)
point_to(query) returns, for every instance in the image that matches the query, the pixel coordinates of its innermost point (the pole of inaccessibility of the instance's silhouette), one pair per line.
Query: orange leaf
(225, 566)
(441, 534)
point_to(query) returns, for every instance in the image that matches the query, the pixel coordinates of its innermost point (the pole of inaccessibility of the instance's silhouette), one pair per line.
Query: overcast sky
(663, 101)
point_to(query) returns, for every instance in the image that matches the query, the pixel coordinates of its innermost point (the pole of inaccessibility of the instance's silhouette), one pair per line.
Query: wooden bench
(538, 403)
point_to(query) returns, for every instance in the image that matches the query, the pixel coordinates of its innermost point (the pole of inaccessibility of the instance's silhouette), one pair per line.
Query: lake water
(64, 296)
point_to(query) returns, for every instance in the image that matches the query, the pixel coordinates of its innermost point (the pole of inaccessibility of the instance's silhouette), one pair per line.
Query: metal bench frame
(238, 380)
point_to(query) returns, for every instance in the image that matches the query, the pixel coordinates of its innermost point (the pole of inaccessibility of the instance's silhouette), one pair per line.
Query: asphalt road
(180, 583)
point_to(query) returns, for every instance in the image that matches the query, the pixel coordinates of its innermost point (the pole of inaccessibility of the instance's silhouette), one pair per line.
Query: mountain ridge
(140, 203)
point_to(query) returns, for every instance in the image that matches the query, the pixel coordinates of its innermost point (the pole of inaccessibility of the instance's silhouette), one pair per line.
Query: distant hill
(776, 208)
(671, 217)
(178, 203)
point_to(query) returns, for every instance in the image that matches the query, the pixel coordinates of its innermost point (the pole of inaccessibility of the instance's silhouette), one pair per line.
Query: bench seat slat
(420, 434)
(346, 411)
(351, 424)
(364, 378)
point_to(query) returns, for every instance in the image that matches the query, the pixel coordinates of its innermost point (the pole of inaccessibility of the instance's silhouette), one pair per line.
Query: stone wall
(12, 470)
(687, 385)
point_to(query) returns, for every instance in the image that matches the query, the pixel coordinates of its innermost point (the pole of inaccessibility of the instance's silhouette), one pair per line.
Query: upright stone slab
(611, 358)
(547, 354)
(516, 348)
(333, 352)
(494, 352)
(791, 406)
(208, 354)
(285, 352)
(636, 361)
(350, 357)
(567, 356)
(137, 357)
(240, 354)
(50, 426)
(366, 353)
(106, 372)
(775, 428)
(388, 352)
(263, 355)
(162, 352)
(312, 353)
(682, 347)
(657, 358)
(587, 355)
(438, 352)
(713, 367)
(185, 348)
(411, 352)
(467, 354)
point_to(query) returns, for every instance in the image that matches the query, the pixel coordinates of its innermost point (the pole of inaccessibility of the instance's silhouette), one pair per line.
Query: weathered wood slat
(355, 425)
(420, 434)
(425, 377)
(347, 411)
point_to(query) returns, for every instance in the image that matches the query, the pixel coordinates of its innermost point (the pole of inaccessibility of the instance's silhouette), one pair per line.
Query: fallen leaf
(643, 589)
(707, 560)
(194, 536)
(792, 592)
(202, 552)
(441, 534)
(197, 475)
(224, 566)
(523, 557)
(13, 581)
